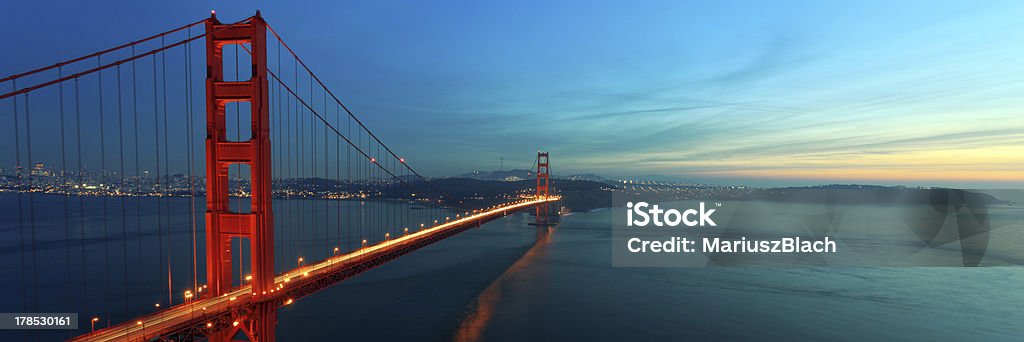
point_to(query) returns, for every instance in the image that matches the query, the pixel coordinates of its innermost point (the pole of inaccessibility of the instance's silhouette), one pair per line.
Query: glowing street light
(248, 277)
(299, 263)
(364, 242)
(336, 250)
(93, 323)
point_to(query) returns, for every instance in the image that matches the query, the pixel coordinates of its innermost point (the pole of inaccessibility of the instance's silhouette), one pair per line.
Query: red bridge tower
(543, 183)
(221, 223)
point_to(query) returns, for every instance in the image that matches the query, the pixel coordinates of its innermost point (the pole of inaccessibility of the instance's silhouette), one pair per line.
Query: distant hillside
(506, 176)
(586, 177)
(577, 195)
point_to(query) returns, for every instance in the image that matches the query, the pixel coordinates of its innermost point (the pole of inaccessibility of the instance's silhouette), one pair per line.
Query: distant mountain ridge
(505, 176)
(586, 177)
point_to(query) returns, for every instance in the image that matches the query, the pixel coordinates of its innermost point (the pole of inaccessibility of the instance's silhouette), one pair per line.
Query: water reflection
(482, 309)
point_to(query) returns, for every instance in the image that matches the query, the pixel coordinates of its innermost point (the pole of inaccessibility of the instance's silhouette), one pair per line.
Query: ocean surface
(509, 281)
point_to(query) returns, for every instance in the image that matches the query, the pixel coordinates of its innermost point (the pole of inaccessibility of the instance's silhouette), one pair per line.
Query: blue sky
(751, 92)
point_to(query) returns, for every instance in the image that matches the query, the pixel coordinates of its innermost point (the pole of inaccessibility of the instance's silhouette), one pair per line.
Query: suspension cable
(336, 99)
(99, 53)
(117, 63)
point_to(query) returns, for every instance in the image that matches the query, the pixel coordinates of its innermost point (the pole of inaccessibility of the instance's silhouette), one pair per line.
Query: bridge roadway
(201, 316)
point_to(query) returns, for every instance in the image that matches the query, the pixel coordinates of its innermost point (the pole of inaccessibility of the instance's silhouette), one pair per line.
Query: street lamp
(299, 263)
(336, 250)
(364, 242)
(93, 323)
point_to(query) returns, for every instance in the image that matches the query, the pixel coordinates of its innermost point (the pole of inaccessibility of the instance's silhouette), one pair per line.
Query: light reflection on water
(499, 284)
(482, 310)
(502, 282)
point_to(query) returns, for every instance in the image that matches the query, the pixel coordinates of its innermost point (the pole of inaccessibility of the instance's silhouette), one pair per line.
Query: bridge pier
(257, 324)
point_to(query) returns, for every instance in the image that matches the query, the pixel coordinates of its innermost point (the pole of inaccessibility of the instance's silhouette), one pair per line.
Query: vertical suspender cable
(337, 176)
(138, 174)
(124, 210)
(348, 185)
(21, 221)
(290, 234)
(191, 160)
(167, 172)
(64, 188)
(277, 154)
(31, 208)
(103, 178)
(293, 168)
(157, 189)
(327, 210)
(81, 203)
(311, 197)
(291, 180)
(301, 203)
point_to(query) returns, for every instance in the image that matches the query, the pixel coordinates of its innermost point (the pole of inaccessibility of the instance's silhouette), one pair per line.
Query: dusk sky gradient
(731, 92)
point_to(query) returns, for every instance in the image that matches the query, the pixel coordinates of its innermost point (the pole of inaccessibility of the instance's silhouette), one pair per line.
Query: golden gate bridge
(131, 111)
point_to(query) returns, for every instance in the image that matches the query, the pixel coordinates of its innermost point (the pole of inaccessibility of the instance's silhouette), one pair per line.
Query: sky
(728, 92)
